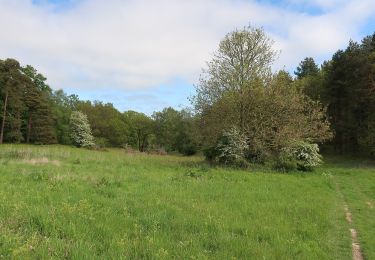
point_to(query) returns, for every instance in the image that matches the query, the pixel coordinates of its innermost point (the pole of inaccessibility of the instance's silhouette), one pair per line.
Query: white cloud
(133, 44)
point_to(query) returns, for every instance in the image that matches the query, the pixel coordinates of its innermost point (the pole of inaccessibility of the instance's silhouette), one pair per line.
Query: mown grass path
(60, 202)
(356, 182)
(356, 247)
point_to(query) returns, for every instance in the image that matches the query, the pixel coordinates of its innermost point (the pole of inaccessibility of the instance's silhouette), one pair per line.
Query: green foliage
(62, 106)
(211, 153)
(11, 92)
(350, 96)
(39, 120)
(140, 130)
(39, 81)
(168, 127)
(237, 89)
(174, 131)
(299, 155)
(345, 84)
(306, 68)
(257, 155)
(240, 91)
(31, 112)
(106, 122)
(26, 107)
(367, 138)
(80, 130)
(244, 57)
(101, 142)
(188, 148)
(284, 162)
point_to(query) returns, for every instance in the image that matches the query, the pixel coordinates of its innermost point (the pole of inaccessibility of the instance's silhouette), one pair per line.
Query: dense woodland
(238, 101)
(31, 112)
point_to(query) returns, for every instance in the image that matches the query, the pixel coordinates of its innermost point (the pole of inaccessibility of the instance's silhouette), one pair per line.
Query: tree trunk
(28, 130)
(4, 115)
(139, 140)
(242, 117)
(144, 139)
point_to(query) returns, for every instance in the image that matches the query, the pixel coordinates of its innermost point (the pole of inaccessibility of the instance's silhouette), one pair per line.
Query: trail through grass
(356, 180)
(62, 202)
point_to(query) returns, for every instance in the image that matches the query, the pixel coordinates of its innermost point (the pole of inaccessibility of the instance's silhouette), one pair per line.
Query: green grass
(356, 180)
(81, 204)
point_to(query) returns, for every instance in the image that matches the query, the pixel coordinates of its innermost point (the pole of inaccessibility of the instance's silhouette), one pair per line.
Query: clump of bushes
(233, 149)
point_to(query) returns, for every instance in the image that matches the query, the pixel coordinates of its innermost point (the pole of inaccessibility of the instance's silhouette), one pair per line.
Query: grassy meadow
(62, 202)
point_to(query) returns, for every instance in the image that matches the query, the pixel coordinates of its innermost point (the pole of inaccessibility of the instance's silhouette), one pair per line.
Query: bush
(102, 142)
(285, 163)
(241, 163)
(188, 149)
(231, 147)
(256, 156)
(211, 153)
(299, 155)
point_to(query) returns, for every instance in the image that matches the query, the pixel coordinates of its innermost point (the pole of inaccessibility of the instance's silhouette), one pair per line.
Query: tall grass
(96, 205)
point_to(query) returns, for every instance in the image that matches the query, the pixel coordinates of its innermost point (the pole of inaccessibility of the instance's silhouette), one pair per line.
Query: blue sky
(147, 54)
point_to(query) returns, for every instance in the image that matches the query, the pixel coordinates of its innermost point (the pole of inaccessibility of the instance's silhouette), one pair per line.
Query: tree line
(31, 112)
(241, 109)
(346, 86)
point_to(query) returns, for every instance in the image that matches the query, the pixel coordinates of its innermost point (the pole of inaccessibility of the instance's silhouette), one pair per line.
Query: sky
(145, 55)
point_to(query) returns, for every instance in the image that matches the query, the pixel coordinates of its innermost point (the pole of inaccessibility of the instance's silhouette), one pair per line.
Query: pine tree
(31, 99)
(350, 96)
(12, 83)
(307, 67)
(4, 98)
(39, 118)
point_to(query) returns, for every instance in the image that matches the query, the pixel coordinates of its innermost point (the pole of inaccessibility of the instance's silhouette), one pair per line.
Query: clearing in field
(62, 202)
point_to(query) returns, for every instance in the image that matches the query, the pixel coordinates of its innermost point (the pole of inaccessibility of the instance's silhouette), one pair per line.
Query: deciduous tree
(80, 130)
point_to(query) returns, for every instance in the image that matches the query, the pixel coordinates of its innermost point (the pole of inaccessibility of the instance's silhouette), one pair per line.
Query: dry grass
(42, 160)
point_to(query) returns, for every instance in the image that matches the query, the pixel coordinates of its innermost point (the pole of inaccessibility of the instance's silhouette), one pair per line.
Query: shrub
(188, 149)
(284, 162)
(101, 142)
(80, 130)
(241, 163)
(256, 155)
(211, 153)
(299, 155)
(231, 146)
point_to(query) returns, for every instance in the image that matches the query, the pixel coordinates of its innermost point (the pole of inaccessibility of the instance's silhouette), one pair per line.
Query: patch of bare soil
(348, 215)
(356, 248)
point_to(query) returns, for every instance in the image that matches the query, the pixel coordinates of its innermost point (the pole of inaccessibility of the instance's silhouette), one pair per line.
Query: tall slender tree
(12, 80)
(37, 99)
